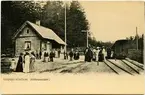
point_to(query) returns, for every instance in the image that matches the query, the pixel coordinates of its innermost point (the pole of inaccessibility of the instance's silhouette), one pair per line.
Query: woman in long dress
(77, 55)
(51, 56)
(88, 55)
(94, 54)
(13, 65)
(104, 53)
(101, 57)
(71, 54)
(97, 55)
(27, 63)
(19, 67)
(32, 61)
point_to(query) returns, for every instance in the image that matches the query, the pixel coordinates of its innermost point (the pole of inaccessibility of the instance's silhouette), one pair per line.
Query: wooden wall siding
(24, 36)
(20, 44)
(37, 44)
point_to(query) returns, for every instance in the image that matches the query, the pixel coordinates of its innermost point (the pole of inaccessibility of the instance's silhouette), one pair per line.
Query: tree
(132, 42)
(51, 14)
(53, 18)
(14, 13)
(76, 22)
(20, 11)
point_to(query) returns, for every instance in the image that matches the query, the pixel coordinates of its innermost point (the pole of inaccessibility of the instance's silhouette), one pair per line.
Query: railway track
(123, 66)
(130, 66)
(137, 65)
(109, 66)
(118, 66)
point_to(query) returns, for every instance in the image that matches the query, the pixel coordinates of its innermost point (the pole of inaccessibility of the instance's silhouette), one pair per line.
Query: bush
(136, 55)
(5, 65)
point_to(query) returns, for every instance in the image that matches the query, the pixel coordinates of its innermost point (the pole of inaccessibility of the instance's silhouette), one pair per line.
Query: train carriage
(120, 49)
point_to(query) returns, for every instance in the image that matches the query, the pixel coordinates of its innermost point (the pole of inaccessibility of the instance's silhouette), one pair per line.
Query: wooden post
(65, 49)
(87, 38)
(136, 39)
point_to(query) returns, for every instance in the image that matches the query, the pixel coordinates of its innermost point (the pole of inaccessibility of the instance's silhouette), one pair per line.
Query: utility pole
(65, 49)
(87, 38)
(136, 39)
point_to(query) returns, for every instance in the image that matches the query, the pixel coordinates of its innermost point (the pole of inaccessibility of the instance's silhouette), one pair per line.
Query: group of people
(25, 63)
(91, 54)
(73, 55)
(95, 54)
(48, 57)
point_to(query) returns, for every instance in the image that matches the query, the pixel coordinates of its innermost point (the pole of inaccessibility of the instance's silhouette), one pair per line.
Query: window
(27, 31)
(44, 46)
(27, 45)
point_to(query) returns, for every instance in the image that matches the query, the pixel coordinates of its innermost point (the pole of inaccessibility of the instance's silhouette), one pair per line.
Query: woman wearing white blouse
(26, 68)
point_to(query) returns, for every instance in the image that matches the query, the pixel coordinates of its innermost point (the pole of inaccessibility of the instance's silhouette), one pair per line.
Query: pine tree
(76, 22)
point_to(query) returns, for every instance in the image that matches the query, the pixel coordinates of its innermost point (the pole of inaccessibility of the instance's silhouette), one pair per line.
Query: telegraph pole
(87, 38)
(136, 39)
(65, 32)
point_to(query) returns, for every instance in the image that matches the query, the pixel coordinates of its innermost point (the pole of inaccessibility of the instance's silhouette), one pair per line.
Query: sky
(111, 21)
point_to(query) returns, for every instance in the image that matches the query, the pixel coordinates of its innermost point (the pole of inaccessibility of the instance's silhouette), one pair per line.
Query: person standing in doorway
(59, 53)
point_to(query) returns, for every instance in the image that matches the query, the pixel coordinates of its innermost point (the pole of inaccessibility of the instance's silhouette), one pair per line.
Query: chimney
(38, 22)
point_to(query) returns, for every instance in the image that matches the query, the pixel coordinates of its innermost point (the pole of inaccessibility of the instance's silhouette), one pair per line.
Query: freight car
(120, 49)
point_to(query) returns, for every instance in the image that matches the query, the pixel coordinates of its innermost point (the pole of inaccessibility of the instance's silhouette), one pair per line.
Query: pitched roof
(120, 42)
(44, 32)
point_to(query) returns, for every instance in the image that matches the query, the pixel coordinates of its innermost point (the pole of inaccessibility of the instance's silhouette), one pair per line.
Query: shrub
(136, 55)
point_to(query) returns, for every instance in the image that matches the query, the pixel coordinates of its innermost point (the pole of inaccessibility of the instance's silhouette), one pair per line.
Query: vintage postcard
(72, 47)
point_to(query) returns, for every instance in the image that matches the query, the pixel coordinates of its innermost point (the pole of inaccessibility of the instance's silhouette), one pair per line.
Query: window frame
(29, 46)
(27, 31)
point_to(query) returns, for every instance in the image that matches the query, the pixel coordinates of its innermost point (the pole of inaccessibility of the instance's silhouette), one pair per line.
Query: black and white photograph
(78, 38)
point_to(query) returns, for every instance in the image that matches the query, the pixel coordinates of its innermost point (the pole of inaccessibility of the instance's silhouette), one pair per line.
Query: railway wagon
(120, 49)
